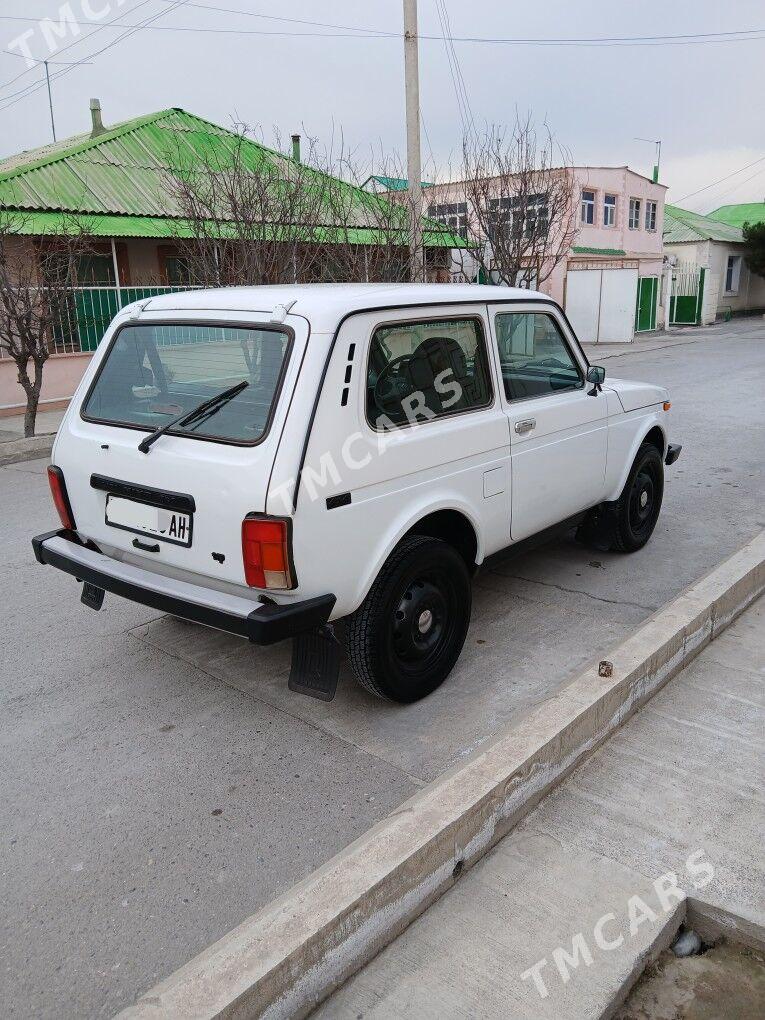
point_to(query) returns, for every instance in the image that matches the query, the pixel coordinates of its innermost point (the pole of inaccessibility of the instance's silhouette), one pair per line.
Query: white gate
(600, 304)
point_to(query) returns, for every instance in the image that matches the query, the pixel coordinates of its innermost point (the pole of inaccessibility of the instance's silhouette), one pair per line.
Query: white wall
(713, 256)
(751, 289)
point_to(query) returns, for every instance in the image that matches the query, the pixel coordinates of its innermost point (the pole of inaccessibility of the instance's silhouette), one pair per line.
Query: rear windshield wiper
(210, 405)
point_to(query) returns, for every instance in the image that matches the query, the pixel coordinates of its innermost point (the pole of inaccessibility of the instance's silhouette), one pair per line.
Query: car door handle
(525, 426)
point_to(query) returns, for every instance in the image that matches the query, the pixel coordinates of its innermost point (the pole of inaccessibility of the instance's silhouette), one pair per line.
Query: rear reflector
(60, 497)
(265, 552)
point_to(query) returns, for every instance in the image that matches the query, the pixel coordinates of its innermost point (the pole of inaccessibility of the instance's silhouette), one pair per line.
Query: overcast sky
(703, 100)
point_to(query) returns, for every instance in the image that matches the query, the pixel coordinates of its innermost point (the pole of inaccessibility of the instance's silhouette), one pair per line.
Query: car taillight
(266, 552)
(60, 497)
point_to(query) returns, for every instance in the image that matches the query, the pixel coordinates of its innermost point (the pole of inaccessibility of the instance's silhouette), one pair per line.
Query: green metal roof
(682, 226)
(119, 183)
(598, 251)
(39, 223)
(396, 183)
(36, 222)
(738, 215)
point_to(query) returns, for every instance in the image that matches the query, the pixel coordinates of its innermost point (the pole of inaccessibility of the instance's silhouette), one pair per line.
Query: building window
(517, 216)
(634, 220)
(732, 274)
(588, 207)
(95, 270)
(609, 211)
(452, 214)
(499, 216)
(177, 270)
(535, 215)
(650, 215)
(174, 266)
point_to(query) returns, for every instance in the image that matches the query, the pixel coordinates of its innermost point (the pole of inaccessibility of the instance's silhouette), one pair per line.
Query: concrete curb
(17, 450)
(288, 957)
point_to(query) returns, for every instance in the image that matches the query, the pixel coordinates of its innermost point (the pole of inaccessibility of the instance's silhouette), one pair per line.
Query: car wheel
(408, 633)
(637, 509)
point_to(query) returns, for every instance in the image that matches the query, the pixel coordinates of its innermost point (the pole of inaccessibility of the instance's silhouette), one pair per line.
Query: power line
(457, 67)
(744, 35)
(40, 60)
(712, 36)
(76, 42)
(292, 21)
(740, 184)
(720, 181)
(132, 30)
(358, 31)
(595, 40)
(452, 74)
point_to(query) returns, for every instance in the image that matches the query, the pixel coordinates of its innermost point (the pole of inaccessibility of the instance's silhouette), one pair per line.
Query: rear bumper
(265, 624)
(673, 452)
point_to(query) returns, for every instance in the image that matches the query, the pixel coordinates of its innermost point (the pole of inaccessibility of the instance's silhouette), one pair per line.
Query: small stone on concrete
(687, 944)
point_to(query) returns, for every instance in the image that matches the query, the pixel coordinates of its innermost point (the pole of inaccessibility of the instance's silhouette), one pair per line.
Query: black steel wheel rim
(643, 499)
(424, 622)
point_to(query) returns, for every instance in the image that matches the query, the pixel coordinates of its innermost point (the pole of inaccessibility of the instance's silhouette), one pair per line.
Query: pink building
(610, 281)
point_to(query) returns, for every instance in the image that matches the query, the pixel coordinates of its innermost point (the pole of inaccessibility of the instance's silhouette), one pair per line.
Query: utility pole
(413, 161)
(50, 100)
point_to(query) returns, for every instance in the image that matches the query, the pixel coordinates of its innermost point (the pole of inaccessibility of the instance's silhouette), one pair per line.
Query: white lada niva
(269, 461)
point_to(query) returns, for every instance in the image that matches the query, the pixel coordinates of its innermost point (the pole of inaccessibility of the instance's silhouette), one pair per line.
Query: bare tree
(253, 215)
(37, 280)
(366, 237)
(246, 215)
(520, 211)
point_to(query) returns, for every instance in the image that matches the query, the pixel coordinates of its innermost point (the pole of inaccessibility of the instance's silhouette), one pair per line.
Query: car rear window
(153, 373)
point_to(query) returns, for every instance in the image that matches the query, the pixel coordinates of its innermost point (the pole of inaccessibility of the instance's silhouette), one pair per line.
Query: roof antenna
(280, 312)
(138, 307)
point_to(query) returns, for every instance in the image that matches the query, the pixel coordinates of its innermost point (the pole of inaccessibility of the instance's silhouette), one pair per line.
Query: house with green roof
(738, 215)
(119, 185)
(380, 184)
(716, 247)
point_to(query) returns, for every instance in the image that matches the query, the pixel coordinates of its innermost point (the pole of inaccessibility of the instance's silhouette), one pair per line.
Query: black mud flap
(315, 663)
(92, 596)
(598, 529)
(673, 452)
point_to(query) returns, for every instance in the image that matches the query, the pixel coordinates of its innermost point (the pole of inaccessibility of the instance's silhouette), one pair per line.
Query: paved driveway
(159, 783)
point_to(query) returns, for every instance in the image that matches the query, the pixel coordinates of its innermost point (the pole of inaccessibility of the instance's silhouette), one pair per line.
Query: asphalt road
(159, 783)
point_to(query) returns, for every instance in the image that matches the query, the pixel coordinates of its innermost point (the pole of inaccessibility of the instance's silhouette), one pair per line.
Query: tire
(406, 636)
(637, 509)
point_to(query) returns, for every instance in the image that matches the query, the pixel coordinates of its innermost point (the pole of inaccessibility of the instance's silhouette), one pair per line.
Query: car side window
(534, 357)
(418, 371)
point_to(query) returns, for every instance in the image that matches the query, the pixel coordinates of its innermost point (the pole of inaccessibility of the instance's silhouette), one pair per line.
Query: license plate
(143, 519)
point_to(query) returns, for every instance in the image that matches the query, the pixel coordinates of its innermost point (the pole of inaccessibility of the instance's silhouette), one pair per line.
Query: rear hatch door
(180, 506)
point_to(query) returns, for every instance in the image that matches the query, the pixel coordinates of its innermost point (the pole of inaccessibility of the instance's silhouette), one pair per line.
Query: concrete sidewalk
(12, 427)
(684, 777)
(678, 336)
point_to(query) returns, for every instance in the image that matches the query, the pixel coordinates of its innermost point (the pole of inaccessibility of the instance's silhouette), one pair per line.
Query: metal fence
(687, 294)
(90, 310)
